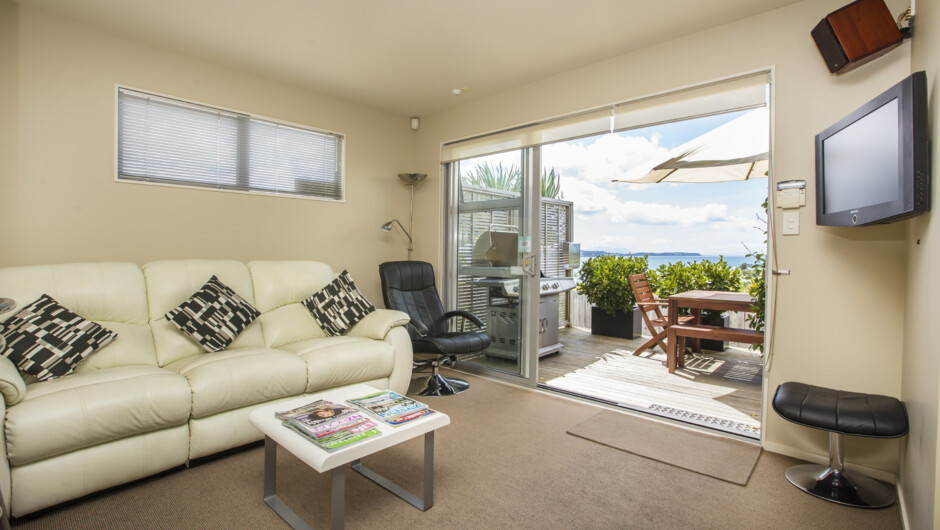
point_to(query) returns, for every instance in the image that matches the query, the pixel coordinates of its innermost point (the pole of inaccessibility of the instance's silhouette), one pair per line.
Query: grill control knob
(544, 286)
(515, 288)
(555, 285)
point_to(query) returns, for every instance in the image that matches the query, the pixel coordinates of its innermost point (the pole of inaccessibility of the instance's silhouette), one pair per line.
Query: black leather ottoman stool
(841, 413)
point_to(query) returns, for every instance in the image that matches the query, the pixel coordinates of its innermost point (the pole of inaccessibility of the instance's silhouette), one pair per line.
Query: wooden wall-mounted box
(856, 34)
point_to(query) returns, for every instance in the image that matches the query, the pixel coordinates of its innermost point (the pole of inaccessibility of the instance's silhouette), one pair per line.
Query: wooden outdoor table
(697, 301)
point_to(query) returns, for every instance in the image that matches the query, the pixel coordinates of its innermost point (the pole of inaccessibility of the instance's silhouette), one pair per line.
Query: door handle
(528, 264)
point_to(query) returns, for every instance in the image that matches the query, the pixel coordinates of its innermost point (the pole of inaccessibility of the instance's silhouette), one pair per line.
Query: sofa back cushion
(111, 294)
(171, 282)
(280, 287)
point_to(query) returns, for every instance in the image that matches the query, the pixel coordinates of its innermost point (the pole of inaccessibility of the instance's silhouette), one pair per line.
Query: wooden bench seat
(703, 331)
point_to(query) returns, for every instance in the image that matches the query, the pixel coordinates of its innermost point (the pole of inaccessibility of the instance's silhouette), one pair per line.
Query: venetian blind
(169, 141)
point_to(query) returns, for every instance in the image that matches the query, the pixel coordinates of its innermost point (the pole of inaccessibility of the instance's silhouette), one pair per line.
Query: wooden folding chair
(647, 304)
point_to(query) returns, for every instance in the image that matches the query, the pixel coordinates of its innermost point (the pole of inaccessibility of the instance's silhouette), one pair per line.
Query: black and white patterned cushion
(213, 316)
(338, 306)
(47, 340)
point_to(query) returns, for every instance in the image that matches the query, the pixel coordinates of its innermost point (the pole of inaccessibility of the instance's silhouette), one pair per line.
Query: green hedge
(702, 275)
(605, 280)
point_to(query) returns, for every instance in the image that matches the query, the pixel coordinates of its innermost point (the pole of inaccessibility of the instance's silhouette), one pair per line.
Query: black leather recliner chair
(408, 286)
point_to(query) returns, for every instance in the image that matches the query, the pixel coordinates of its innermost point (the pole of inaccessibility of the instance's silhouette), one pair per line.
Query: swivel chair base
(438, 385)
(840, 486)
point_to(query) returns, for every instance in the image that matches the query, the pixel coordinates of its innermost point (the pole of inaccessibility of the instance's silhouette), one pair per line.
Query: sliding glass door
(492, 269)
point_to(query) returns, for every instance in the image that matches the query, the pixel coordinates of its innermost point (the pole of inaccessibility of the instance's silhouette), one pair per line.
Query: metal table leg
(338, 498)
(338, 486)
(270, 485)
(407, 496)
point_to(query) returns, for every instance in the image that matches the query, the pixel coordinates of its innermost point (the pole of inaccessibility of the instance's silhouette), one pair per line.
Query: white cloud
(588, 197)
(668, 214)
(607, 158)
(591, 199)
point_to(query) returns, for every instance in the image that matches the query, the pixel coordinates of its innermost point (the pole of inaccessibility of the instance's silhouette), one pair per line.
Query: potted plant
(702, 275)
(605, 280)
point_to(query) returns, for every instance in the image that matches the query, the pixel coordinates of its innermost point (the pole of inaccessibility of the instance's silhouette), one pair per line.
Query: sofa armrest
(6, 485)
(378, 323)
(400, 377)
(12, 385)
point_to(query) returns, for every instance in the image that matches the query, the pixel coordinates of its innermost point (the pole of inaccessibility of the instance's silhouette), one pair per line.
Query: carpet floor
(713, 455)
(505, 461)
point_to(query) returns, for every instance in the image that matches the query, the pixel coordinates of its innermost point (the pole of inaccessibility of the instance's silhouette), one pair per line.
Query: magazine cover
(410, 416)
(342, 438)
(389, 405)
(329, 425)
(319, 411)
(323, 429)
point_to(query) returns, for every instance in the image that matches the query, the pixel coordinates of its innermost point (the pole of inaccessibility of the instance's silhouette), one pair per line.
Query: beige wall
(840, 312)
(61, 203)
(921, 374)
(858, 304)
(9, 116)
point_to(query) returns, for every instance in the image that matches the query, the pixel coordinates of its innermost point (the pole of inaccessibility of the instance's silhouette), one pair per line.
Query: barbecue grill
(497, 248)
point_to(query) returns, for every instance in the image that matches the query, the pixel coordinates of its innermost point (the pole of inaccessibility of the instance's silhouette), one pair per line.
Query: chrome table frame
(338, 486)
(321, 461)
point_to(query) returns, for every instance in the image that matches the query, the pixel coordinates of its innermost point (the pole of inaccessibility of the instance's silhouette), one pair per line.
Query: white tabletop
(318, 458)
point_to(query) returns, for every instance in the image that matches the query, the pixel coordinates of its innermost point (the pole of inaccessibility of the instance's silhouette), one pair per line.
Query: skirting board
(824, 459)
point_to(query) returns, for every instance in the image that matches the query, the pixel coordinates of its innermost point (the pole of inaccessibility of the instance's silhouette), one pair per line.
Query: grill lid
(496, 248)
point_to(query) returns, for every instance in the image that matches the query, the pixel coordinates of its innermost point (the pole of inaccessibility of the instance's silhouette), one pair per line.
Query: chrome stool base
(841, 486)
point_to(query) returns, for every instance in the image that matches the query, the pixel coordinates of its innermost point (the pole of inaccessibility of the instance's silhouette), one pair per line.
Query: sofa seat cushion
(86, 409)
(239, 377)
(343, 360)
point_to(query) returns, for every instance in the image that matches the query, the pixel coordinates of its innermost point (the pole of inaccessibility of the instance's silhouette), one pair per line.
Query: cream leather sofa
(153, 399)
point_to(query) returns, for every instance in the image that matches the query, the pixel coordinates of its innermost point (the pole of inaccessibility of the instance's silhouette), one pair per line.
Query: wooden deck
(721, 390)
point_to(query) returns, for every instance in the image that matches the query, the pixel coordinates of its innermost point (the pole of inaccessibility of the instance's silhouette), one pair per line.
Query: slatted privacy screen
(471, 225)
(554, 231)
(169, 141)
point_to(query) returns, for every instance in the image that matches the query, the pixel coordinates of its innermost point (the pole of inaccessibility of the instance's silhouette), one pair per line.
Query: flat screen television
(873, 166)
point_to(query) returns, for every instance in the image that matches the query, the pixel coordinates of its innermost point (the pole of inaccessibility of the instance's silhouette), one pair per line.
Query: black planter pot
(714, 320)
(622, 325)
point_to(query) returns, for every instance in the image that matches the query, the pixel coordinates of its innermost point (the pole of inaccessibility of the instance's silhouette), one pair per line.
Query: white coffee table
(276, 434)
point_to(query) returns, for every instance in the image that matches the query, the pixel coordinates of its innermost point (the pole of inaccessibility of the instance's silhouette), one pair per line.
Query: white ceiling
(405, 56)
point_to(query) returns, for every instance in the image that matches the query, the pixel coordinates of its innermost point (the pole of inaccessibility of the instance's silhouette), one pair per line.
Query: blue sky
(711, 219)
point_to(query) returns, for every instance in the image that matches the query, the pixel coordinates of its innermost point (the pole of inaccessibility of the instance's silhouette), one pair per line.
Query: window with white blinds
(170, 141)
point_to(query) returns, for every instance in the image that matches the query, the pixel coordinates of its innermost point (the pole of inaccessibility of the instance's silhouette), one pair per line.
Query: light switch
(791, 223)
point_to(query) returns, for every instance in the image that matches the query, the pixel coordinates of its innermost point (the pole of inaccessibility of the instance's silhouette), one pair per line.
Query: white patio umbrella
(736, 150)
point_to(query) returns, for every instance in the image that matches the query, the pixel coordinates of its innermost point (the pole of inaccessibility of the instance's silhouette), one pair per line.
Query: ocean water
(656, 261)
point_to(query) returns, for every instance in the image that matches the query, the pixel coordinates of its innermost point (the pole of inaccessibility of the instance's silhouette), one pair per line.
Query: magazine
(320, 409)
(392, 407)
(329, 425)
